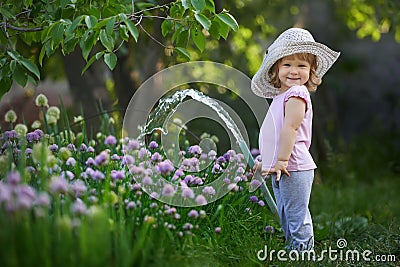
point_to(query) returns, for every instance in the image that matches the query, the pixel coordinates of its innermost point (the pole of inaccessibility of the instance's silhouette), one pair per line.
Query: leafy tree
(32, 30)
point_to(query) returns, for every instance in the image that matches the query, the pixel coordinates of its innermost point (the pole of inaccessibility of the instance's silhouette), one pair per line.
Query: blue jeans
(292, 194)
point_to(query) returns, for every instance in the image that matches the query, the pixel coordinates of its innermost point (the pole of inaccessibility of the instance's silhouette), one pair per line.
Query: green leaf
(223, 29)
(69, 46)
(210, 5)
(199, 39)
(31, 67)
(57, 34)
(186, 4)
(19, 75)
(5, 85)
(87, 42)
(91, 21)
(7, 12)
(182, 52)
(203, 20)
(110, 26)
(132, 29)
(111, 60)
(199, 4)
(92, 60)
(214, 29)
(106, 41)
(229, 20)
(123, 32)
(176, 11)
(166, 27)
(182, 38)
(74, 25)
(42, 54)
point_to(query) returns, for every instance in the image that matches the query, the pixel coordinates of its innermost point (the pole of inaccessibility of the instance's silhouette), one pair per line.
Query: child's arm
(295, 109)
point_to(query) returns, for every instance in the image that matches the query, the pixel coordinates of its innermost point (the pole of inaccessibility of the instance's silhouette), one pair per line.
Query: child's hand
(256, 167)
(279, 168)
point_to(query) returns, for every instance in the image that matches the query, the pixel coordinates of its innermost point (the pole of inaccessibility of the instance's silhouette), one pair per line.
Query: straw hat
(291, 41)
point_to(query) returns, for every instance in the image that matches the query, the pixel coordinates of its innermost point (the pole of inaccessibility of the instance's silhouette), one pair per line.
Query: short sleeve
(299, 91)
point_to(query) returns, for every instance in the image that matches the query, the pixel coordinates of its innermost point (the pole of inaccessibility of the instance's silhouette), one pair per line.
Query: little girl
(291, 69)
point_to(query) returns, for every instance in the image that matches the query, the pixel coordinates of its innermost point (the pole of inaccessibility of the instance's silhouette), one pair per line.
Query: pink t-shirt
(300, 159)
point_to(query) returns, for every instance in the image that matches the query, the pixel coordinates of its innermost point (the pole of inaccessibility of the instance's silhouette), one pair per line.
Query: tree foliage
(48, 26)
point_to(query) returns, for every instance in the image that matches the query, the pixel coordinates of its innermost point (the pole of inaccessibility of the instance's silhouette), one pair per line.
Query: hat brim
(260, 84)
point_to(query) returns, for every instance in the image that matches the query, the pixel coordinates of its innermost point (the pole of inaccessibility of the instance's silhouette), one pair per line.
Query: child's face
(293, 71)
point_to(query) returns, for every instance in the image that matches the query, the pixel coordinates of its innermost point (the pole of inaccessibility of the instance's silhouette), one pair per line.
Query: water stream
(168, 105)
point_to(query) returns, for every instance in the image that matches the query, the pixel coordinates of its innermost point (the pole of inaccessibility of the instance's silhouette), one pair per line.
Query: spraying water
(168, 105)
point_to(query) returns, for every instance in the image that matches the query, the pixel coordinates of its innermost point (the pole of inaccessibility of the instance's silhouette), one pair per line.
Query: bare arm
(294, 113)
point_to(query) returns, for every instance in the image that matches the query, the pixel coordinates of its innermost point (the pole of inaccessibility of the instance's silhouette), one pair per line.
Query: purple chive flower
(90, 149)
(147, 180)
(71, 162)
(202, 214)
(153, 145)
(255, 152)
(212, 154)
(83, 147)
(193, 214)
(98, 175)
(117, 175)
(131, 205)
(115, 157)
(209, 190)
(253, 198)
(39, 133)
(168, 190)
(53, 147)
(28, 151)
(261, 203)
(187, 226)
(217, 230)
(216, 168)
(58, 185)
(133, 145)
(90, 161)
(165, 167)
(31, 137)
(227, 156)
(269, 229)
(128, 160)
(201, 200)
(110, 140)
(13, 178)
(221, 160)
(156, 157)
(255, 183)
(227, 180)
(170, 211)
(102, 158)
(79, 188)
(68, 174)
(188, 179)
(71, 147)
(11, 134)
(187, 193)
(143, 152)
(233, 187)
(42, 200)
(79, 207)
(195, 150)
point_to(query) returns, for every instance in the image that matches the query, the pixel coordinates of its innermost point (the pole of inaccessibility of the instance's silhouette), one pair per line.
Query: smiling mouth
(294, 79)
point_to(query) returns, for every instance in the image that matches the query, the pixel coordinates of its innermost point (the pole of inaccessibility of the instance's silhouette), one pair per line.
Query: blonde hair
(312, 82)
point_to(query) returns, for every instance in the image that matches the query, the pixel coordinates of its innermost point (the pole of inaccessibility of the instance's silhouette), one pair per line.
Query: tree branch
(12, 27)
